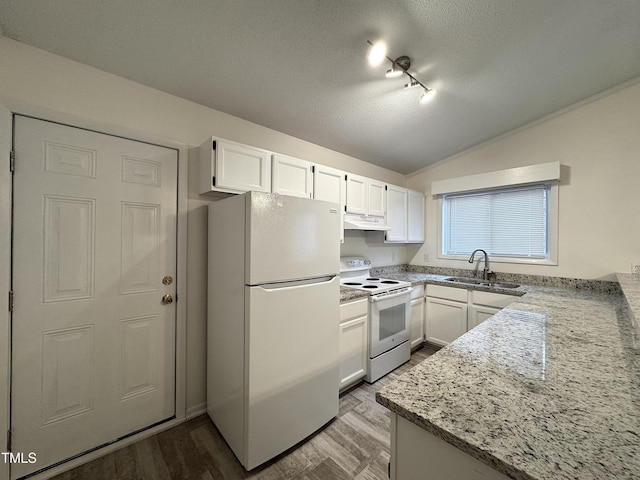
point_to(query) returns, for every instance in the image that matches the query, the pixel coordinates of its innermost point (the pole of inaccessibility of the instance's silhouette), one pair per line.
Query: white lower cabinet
(479, 313)
(451, 312)
(417, 316)
(353, 341)
(446, 320)
(483, 305)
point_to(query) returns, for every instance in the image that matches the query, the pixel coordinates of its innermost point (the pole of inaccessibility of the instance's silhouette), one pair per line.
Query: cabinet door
(357, 194)
(417, 322)
(329, 185)
(353, 350)
(396, 214)
(415, 222)
(479, 313)
(446, 320)
(291, 176)
(243, 168)
(377, 198)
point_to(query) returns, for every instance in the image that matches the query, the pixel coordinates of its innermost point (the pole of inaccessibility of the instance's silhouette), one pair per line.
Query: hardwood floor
(353, 446)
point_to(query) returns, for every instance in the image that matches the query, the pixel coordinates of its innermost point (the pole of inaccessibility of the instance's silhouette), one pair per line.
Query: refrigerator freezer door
(290, 238)
(292, 355)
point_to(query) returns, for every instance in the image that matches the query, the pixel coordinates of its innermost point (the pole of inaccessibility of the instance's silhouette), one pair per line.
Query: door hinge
(313, 169)
(11, 301)
(8, 440)
(213, 181)
(214, 145)
(12, 160)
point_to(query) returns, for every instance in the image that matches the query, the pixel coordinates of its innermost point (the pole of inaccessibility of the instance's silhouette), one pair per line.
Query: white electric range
(389, 315)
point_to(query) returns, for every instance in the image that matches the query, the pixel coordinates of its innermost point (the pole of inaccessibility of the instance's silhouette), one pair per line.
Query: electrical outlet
(394, 256)
(426, 257)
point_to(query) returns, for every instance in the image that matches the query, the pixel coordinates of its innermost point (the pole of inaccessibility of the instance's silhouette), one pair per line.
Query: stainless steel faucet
(487, 274)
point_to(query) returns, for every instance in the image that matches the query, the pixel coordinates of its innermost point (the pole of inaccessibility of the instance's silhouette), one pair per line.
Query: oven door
(389, 321)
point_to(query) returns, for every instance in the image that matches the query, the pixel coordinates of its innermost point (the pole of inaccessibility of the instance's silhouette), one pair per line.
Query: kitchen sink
(477, 281)
(502, 285)
(469, 281)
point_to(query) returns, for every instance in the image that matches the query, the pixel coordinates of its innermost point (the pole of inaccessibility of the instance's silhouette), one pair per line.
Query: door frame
(7, 110)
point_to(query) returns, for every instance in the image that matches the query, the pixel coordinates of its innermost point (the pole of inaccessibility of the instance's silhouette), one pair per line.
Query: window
(513, 224)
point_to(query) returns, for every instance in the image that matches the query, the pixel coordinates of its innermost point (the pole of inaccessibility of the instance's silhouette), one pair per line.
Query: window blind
(510, 222)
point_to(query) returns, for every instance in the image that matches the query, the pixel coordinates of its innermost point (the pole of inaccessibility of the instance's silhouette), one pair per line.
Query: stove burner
(372, 279)
(390, 281)
(370, 286)
(352, 283)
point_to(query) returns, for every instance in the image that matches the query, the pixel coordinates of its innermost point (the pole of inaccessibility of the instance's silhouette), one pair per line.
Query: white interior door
(94, 235)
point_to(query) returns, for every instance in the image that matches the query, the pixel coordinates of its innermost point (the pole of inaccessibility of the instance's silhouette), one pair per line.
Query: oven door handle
(379, 298)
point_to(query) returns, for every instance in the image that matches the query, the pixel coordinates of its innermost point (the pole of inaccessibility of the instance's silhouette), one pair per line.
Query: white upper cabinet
(376, 198)
(357, 194)
(415, 217)
(396, 214)
(405, 215)
(365, 196)
(232, 167)
(329, 185)
(292, 176)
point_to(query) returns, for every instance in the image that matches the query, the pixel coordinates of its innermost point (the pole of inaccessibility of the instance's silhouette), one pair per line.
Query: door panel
(291, 238)
(94, 228)
(296, 386)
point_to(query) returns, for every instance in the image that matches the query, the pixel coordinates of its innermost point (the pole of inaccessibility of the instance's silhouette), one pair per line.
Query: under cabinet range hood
(364, 222)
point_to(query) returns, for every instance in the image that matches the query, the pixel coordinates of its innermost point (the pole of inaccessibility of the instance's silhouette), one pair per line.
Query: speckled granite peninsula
(548, 388)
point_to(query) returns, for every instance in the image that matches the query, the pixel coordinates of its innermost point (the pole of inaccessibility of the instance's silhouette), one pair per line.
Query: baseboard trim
(196, 410)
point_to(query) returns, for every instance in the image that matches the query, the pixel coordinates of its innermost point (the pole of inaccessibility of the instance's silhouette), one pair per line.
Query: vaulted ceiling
(299, 66)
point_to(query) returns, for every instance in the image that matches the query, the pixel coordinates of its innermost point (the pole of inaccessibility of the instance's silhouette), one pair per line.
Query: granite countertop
(548, 388)
(348, 294)
(630, 285)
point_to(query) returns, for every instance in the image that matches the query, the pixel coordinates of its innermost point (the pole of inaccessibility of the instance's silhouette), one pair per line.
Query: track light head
(400, 66)
(427, 95)
(377, 54)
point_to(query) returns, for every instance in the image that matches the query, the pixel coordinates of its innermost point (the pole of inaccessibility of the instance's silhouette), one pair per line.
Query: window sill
(496, 259)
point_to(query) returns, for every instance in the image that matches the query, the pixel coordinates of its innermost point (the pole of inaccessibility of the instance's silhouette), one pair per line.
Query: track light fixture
(400, 66)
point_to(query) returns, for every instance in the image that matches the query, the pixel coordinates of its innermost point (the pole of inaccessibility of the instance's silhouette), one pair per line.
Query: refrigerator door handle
(297, 283)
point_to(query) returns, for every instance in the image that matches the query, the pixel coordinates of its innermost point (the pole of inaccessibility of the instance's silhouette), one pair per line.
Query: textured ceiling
(299, 66)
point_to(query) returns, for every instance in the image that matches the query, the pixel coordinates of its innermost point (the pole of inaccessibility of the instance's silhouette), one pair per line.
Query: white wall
(598, 142)
(372, 246)
(58, 87)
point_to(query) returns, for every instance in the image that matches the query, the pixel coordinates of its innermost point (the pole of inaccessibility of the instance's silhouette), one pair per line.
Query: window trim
(552, 232)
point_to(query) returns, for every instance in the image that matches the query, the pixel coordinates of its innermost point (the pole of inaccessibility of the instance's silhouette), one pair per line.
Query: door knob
(167, 299)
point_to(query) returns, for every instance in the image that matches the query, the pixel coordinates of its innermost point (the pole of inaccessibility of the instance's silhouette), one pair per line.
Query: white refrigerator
(273, 320)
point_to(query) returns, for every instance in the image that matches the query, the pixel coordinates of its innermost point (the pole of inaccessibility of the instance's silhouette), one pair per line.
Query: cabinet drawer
(491, 299)
(418, 291)
(449, 293)
(356, 308)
